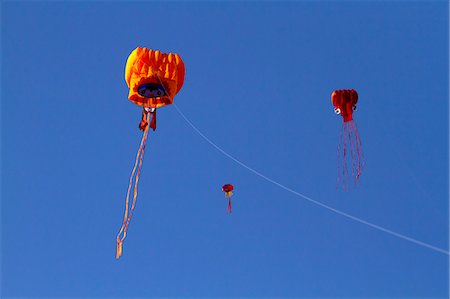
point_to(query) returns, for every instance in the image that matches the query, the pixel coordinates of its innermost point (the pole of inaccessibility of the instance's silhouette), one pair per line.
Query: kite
(228, 189)
(154, 78)
(344, 102)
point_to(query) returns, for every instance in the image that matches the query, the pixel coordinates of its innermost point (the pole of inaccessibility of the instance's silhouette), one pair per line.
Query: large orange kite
(154, 78)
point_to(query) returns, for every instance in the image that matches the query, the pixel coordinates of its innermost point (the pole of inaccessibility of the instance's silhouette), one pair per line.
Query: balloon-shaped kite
(228, 189)
(154, 78)
(344, 102)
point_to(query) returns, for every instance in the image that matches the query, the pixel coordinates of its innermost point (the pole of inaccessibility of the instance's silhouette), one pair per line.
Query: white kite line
(380, 228)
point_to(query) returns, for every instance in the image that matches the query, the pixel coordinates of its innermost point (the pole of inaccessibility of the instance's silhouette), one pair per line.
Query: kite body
(154, 78)
(344, 102)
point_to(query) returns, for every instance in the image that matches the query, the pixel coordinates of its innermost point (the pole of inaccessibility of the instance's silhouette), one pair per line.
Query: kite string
(375, 226)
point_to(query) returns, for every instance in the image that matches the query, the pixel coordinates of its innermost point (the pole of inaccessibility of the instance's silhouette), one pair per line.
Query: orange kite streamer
(154, 78)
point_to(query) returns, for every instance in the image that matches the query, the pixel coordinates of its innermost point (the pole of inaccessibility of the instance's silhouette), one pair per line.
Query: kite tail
(351, 156)
(153, 122)
(360, 155)
(134, 176)
(229, 208)
(145, 120)
(342, 179)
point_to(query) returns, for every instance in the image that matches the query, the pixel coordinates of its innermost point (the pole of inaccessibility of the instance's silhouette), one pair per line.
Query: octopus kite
(350, 153)
(228, 190)
(154, 78)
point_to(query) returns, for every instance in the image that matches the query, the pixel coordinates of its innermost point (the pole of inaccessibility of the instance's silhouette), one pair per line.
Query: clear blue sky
(258, 83)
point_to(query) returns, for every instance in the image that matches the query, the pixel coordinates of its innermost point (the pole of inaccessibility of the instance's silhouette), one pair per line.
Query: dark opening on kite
(151, 90)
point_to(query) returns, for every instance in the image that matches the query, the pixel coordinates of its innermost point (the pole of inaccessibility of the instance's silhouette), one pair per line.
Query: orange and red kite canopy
(154, 78)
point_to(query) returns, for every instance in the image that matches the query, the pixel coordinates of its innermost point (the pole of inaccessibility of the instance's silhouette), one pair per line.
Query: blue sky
(258, 81)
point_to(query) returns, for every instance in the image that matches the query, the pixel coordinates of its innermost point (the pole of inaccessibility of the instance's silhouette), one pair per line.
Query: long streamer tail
(133, 177)
(229, 208)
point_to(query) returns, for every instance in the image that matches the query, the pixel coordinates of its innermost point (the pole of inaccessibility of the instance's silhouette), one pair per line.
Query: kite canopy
(344, 101)
(227, 188)
(154, 78)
